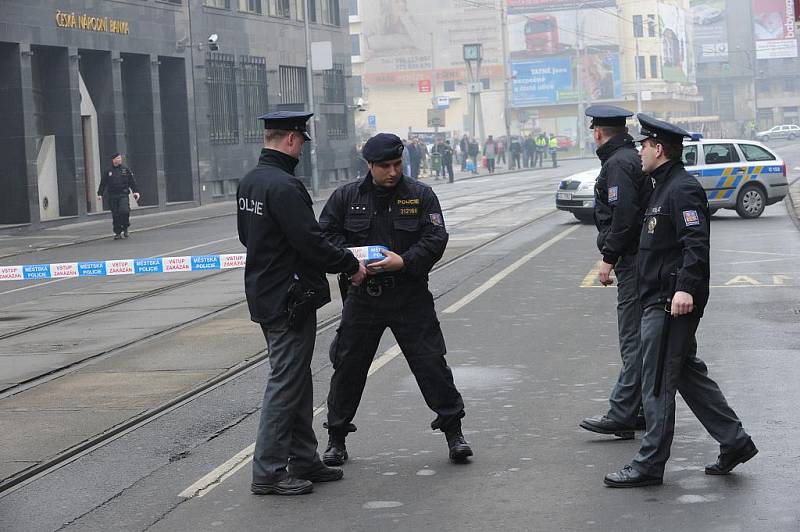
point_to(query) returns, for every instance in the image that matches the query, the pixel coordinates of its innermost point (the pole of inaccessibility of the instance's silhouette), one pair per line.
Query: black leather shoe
(117, 236)
(606, 425)
(320, 474)
(284, 485)
(628, 477)
(336, 452)
(459, 448)
(125, 234)
(726, 462)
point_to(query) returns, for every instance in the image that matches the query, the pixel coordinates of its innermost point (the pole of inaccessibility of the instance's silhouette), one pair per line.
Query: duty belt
(374, 285)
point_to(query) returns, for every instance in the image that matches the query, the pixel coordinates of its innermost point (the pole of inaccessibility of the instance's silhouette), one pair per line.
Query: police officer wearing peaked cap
(390, 209)
(673, 262)
(621, 194)
(284, 277)
(117, 183)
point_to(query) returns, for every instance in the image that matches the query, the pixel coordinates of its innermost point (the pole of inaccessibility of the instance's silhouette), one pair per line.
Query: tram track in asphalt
(96, 441)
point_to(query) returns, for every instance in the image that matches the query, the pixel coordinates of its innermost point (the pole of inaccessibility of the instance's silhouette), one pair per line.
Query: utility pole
(580, 122)
(434, 103)
(310, 89)
(506, 70)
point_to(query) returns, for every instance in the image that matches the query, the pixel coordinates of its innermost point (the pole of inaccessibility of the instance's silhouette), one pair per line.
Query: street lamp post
(311, 107)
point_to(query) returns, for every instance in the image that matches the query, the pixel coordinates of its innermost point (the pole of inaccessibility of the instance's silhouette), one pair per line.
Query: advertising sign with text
(774, 29)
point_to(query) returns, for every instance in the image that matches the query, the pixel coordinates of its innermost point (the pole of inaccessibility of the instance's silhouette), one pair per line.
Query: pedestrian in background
(118, 182)
(552, 145)
(285, 284)
(490, 152)
(516, 149)
(463, 145)
(474, 150)
(541, 147)
(674, 270)
(621, 194)
(405, 216)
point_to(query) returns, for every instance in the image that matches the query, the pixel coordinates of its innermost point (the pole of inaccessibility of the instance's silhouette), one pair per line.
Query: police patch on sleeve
(613, 193)
(691, 218)
(436, 219)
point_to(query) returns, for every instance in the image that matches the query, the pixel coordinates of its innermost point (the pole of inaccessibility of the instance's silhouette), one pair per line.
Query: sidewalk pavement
(793, 200)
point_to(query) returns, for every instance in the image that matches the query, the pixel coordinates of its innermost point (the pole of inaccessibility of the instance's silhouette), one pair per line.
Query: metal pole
(638, 82)
(310, 89)
(580, 122)
(433, 84)
(506, 74)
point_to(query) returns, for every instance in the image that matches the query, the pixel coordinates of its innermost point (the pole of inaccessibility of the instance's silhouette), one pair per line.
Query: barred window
(337, 125)
(293, 84)
(222, 4)
(334, 85)
(224, 113)
(253, 79)
(279, 8)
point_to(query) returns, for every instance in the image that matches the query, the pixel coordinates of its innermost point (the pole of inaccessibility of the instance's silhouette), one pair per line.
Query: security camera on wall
(212, 42)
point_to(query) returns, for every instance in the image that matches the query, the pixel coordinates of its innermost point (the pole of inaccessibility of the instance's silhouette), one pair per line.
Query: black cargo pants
(409, 312)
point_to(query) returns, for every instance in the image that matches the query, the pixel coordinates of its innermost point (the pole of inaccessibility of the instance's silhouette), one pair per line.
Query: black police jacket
(277, 225)
(674, 244)
(118, 181)
(621, 193)
(413, 227)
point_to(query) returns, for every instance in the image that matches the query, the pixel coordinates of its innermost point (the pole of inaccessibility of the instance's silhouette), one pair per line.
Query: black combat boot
(459, 448)
(336, 452)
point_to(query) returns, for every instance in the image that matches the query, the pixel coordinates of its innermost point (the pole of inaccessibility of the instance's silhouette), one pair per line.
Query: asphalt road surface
(532, 342)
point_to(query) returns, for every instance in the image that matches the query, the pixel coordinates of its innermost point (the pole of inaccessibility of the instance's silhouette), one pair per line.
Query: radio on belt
(369, 254)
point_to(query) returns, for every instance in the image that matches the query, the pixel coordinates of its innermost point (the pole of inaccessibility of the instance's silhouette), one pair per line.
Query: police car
(743, 175)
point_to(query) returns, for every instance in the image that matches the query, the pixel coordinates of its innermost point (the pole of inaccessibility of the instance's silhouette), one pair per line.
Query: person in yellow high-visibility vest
(553, 145)
(541, 147)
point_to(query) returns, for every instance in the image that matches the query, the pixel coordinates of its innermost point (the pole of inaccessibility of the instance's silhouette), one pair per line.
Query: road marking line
(592, 278)
(244, 457)
(458, 305)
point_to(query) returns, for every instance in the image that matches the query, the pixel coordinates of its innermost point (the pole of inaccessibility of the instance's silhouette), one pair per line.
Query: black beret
(287, 121)
(653, 128)
(117, 154)
(607, 115)
(383, 147)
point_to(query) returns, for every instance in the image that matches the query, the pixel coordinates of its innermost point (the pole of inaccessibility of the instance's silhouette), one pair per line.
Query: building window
(450, 86)
(253, 79)
(312, 10)
(279, 8)
(217, 189)
(355, 44)
(640, 70)
(789, 85)
(300, 9)
(250, 6)
(653, 66)
(230, 186)
(356, 86)
(329, 12)
(638, 26)
(293, 84)
(223, 124)
(486, 84)
(651, 25)
(353, 8)
(763, 86)
(333, 84)
(337, 125)
(727, 105)
(221, 4)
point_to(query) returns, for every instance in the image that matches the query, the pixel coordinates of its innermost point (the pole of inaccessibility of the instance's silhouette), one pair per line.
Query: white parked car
(788, 131)
(743, 175)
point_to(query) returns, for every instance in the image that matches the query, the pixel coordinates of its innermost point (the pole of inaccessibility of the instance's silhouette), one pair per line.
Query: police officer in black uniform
(390, 209)
(118, 181)
(621, 193)
(287, 257)
(673, 263)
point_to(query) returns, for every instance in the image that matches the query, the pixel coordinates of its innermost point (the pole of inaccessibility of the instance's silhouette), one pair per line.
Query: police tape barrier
(103, 268)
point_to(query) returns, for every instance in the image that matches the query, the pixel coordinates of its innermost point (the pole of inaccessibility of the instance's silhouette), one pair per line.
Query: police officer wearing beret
(390, 209)
(118, 182)
(284, 277)
(673, 263)
(621, 193)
